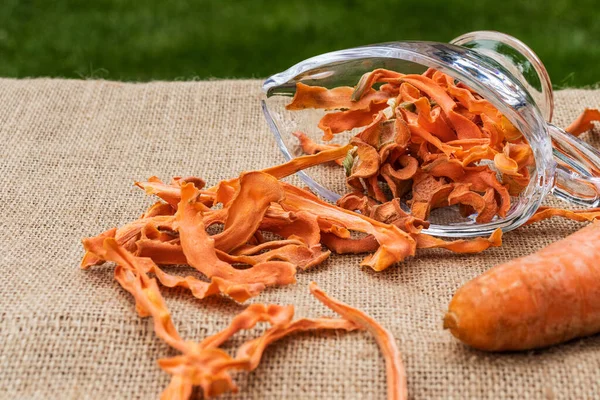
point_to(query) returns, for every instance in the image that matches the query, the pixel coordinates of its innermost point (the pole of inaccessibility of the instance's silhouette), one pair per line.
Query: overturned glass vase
(500, 68)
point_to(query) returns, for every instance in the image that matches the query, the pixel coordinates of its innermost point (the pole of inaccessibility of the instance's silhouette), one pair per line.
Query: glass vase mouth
(487, 77)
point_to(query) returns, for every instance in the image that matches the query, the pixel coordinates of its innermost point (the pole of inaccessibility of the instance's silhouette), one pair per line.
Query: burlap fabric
(69, 152)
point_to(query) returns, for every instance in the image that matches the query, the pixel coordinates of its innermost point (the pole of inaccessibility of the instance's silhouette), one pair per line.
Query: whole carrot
(546, 298)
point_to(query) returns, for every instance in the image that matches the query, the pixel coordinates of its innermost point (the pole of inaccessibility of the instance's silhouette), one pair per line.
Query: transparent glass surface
(512, 88)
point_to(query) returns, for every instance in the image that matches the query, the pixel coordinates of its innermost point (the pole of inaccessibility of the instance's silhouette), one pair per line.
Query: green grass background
(144, 40)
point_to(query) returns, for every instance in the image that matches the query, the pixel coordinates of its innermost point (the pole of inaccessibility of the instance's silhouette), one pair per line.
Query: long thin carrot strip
(396, 375)
(475, 245)
(367, 81)
(311, 147)
(349, 246)
(583, 123)
(341, 121)
(254, 349)
(543, 213)
(145, 290)
(331, 99)
(304, 162)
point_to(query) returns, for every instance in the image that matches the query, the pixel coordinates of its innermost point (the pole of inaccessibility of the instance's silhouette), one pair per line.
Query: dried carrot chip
(575, 215)
(332, 99)
(199, 250)
(382, 132)
(257, 191)
(310, 147)
(366, 161)
(462, 194)
(476, 245)
(367, 81)
(340, 121)
(481, 179)
(584, 122)
(444, 167)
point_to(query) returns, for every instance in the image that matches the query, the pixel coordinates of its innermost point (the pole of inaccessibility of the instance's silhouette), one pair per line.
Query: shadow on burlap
(69, 153)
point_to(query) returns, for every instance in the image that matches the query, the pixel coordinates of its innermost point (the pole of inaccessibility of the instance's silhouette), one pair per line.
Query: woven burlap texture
(69, 153)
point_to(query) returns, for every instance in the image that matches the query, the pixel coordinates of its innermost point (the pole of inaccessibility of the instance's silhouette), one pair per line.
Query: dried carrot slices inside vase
(424, 139)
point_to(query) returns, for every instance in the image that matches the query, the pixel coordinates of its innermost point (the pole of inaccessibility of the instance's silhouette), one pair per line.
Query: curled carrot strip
(339, 245)
(257, 191)
(444, 167)
(576, 215)
(366, 162)
(432, 120)
(476, 245)
(310, 147)
(397, 187)
(396, 374)
(374, 189)
(367, 81)
(462, 194)
(336, 122)
(158, 208)
(583, 123)
(331, 99)
(409, 164)
(303, 162)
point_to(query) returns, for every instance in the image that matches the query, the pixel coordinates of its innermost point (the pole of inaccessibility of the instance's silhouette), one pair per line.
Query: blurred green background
(140, 40)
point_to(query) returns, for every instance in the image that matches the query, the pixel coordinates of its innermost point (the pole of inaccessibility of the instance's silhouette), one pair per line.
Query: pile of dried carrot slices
(238, 261)
(245, 234)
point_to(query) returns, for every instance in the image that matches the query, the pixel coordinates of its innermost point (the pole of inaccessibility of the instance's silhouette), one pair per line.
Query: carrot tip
(450, 321)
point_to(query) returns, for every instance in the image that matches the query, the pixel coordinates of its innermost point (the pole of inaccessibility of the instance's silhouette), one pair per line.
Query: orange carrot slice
(396, 374)
(341, 121)
(583, 123)
(311, 147)
(576, 215)
(475, 245)
(367, 81)
(332, 99)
